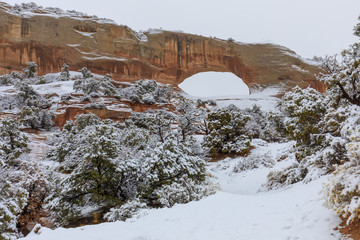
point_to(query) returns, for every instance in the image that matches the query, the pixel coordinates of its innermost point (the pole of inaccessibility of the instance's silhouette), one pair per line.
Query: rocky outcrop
(112, 108)
(51, 39)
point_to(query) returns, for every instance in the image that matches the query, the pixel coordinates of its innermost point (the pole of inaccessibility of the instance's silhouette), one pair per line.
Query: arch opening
(214, 84)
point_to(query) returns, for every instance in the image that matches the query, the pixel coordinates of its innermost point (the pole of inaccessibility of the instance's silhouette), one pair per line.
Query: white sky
(309, 27)
(210, 84)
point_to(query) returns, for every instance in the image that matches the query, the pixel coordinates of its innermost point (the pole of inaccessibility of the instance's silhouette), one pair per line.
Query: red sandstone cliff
(51, 39)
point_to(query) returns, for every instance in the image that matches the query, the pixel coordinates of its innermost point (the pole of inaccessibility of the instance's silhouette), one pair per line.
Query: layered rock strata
(51, 39)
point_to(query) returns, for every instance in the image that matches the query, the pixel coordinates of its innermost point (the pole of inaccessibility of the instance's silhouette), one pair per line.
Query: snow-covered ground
(237, 211)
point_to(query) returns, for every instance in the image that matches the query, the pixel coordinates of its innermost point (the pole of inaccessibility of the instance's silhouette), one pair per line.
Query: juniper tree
(65, 75)
(13, 143)
(227, 133)
(30, 70)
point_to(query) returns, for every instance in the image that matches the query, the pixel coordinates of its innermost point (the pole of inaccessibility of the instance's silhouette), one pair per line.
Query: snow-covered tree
(12, 142)
(170, 173)
(188, 119)
(101, 177)
(64, 74)
(106, 85)
(158, 123)
(146, 91)
(304, 110)
(227, 133)
(342, 192)
(29, 97)
(342, 78)
(36, 118)
(86, 73)
(30, 70)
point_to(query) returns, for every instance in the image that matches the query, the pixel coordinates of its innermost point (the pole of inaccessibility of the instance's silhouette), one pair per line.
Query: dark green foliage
(85, 73)
(305, 109)
(227, 133)
(167, 165)
(64, 74)
(12, 142)
(36, 118)
(29, 97)
(30, 70)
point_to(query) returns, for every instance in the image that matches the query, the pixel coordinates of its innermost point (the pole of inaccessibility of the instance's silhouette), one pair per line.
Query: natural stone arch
(168, 57)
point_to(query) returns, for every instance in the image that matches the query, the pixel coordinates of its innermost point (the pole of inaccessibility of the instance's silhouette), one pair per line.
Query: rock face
(51, 39)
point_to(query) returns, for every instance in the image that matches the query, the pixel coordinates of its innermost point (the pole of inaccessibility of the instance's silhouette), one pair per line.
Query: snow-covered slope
(236, 211)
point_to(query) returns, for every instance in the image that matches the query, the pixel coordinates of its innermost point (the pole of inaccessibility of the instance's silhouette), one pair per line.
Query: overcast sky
(309, 27)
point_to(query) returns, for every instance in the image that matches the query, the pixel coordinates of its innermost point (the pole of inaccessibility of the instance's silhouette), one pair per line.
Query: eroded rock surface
(51, 40)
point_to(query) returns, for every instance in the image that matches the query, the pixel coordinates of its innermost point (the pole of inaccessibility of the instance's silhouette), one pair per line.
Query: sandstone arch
(168, 57)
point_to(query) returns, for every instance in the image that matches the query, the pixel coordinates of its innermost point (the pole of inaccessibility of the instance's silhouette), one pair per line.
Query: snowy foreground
(237, 211)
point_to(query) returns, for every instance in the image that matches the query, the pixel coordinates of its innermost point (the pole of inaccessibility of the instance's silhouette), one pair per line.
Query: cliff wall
(52, 39)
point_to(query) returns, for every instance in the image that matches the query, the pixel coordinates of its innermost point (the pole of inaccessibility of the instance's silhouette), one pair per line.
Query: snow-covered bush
(12, 142)
(30, 70)
(27, 96)
(159, 124)
(304, 110)
(36, 118)
(106, 85)
(257, 121)
(170, 173)
(227, 133)
(125, 211)
(87, 85)
(342, 192)
(188, 119)
(274, 129)
(254, 161)
(101, 178)
(9, 102)
(19, 179)
(13, 199)
(290, 175)
(64, 74)
(65, 142)
(146, 91)
(342, 78)
(92, 87)
(95, 106)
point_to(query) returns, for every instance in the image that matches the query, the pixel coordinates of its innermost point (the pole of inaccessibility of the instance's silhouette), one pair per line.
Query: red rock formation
(117, 110)
(168, 57)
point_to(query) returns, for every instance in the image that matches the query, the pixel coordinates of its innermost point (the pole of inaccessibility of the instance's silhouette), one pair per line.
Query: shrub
(227, 133)
(36, 118)
(170, 173)
(12, 142)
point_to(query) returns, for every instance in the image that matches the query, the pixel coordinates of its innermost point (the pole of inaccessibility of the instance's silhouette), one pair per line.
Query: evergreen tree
(30, 70)
(12, 142)
(64, 74)
(227, 133)
(36, 118)
(170, 165)
(107, 87)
